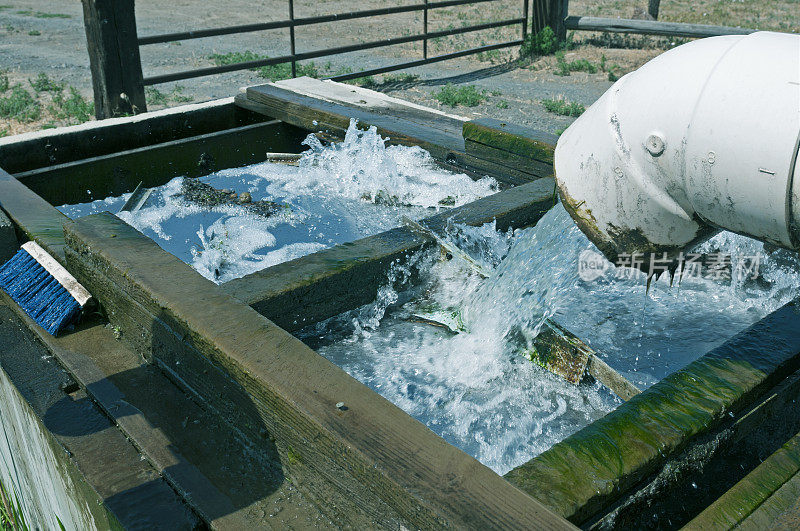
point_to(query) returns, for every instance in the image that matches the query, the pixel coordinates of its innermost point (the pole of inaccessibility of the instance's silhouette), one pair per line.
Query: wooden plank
(8, 238)
(523, 165)
(651, 27)
(605, 374)
(38, 149)
(33, 216)
(437, 133)
(293, 391)
(153, 165)
(114, 57)
(376, 102)
(72, 438)
(714, 463)
(315, 114)
(550, 13)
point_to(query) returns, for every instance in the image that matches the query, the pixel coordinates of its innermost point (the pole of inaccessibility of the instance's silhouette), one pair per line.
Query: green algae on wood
(589, 470)
(525, 142)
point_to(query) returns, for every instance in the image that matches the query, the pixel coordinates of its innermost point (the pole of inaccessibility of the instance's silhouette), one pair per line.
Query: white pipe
(701, 138)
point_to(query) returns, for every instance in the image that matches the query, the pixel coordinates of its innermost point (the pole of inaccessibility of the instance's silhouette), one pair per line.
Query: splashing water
(479, 392)
(338, 193)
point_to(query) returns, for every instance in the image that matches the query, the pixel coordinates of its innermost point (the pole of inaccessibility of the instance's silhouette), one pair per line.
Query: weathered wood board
(327, 107)
(153, 165)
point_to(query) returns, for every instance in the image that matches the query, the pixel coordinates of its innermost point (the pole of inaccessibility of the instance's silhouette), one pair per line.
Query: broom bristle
(38, 293)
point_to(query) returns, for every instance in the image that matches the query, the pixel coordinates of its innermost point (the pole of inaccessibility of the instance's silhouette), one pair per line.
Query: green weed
(34, 33)
(73, 108)
(43, 83)
(155, 97)
(271, 72)
(366, 82)
(3, 82)
(502, 104)
(178, 96)
(11, 515)
(542, 43)
(563, 107)
(20, 105)
(293, 456)
(40, 14)
(452, 96)
(613, 70)
(545, 43)
(492, 56)
(564, 68)
(402, 77)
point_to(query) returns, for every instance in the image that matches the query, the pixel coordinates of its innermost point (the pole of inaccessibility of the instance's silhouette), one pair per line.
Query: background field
(43, 41)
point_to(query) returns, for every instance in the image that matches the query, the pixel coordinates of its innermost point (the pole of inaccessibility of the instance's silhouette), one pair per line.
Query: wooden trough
(191, 404)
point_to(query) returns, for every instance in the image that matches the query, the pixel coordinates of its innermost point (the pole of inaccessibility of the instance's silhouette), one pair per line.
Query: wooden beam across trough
(327, 107)
(315, 287)
(153, 165)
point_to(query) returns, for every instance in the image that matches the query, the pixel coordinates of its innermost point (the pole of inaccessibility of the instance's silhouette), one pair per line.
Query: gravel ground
(48, 36)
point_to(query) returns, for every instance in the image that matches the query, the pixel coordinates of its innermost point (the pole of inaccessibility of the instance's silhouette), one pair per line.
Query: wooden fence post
(114, 57)
(550, 13)
(652, 8)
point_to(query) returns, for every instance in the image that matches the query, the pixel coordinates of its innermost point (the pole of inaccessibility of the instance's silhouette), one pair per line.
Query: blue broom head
(38, 293)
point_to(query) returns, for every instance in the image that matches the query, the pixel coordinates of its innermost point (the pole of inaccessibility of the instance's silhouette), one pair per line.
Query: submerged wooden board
(328, 107)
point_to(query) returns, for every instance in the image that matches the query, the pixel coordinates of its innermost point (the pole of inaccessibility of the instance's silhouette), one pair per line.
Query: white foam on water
(363, 166)
(338, 193)
(473, 389)
(477, 390)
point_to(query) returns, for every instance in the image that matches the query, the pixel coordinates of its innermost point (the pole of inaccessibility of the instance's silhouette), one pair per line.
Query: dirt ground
(47, 36)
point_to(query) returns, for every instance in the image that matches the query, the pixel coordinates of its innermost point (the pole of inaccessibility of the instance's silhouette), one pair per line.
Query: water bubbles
(338, 193)
(476, 389)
